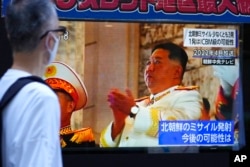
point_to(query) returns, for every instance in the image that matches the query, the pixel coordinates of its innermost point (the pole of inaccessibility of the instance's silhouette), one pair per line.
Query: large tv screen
(113, 56)
(110, 52)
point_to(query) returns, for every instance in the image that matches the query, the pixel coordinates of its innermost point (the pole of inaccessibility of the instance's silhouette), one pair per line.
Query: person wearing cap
(72, 96)
(136, 123)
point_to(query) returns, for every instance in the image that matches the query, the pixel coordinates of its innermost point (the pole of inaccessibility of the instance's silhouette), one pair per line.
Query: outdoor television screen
(110, 55)
(109, 45)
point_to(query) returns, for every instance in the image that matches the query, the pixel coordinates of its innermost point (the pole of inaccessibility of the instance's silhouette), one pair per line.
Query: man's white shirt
(31, 124)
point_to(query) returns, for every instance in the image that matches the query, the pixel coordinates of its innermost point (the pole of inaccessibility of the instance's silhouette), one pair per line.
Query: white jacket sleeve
(179, 105)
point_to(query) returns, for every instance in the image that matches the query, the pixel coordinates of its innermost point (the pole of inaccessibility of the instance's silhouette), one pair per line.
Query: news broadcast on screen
(136, 100)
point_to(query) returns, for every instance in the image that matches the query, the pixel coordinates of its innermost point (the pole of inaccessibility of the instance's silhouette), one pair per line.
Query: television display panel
(91, 49)
(110, 55)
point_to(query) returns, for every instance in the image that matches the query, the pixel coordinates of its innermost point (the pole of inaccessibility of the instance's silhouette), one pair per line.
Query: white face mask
(54, 50)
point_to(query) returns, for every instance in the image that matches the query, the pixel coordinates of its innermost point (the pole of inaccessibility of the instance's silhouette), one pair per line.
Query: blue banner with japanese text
(210, 11)
(196, 133)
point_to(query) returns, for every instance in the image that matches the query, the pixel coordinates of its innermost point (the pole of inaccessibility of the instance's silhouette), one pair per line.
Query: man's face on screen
(161, 72)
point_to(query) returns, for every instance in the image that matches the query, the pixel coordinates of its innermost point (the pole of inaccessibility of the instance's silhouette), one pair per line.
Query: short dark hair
(25, 21)
(176, 53)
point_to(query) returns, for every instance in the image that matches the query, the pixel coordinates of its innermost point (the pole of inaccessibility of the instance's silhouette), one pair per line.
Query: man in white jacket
(136, 123)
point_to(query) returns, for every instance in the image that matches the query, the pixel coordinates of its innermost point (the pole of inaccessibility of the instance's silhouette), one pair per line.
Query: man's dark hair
(26, 20)
(176, 53)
